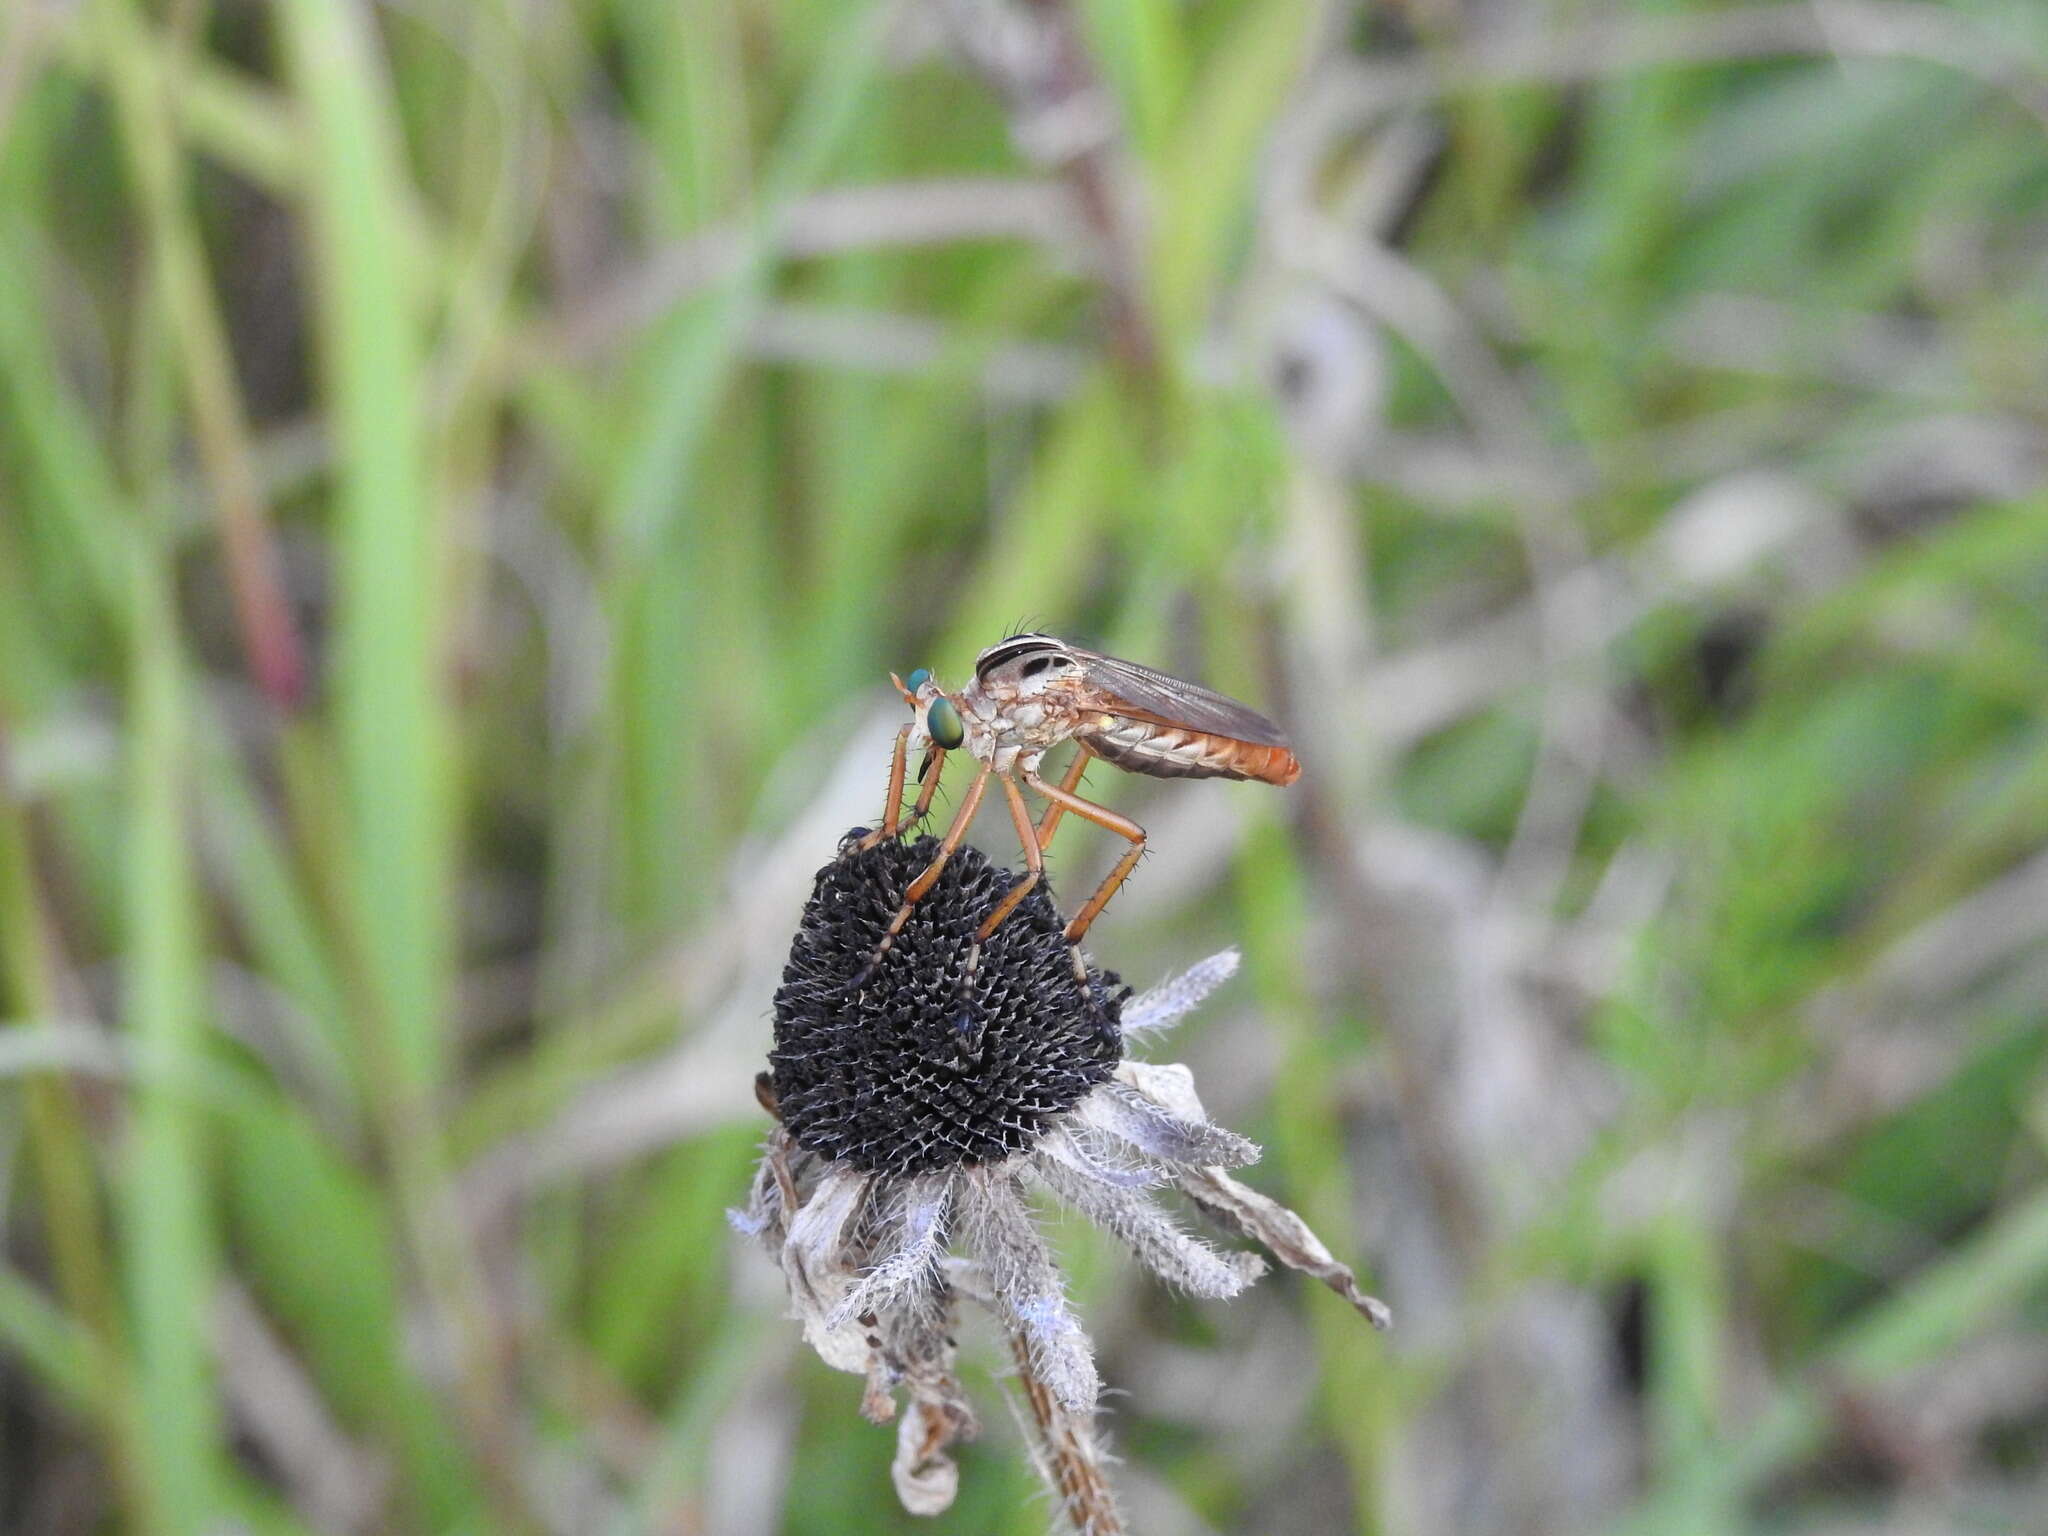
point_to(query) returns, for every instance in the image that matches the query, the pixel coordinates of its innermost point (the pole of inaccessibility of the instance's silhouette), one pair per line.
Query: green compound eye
(942, 724)
(918, 679)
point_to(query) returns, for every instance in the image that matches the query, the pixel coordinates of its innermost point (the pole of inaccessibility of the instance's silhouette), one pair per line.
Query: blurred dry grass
(465, 470)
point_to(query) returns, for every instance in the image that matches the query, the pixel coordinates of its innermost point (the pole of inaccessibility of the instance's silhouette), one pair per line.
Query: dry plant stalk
(1066, 1454)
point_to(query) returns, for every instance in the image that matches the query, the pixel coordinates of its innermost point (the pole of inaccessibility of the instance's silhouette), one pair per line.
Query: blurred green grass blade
(886, 452)
(322, 1256)
(58, 1350)
(1141, 46)
(653, 1282)
(1969, 1290)
(1202, 203)
(697, 348)
(395, 732)
(280, 917)
(1688, 1324)
(142, 95)
(53, 432)
(672, 1485)
(1086, 469)
(61, 1153)
(687, 62)
(230, 116)
(1359, 1392)
(670, 515)
(168, 1247)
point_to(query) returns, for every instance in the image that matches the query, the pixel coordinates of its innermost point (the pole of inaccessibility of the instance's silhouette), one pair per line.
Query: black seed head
(915, 1070)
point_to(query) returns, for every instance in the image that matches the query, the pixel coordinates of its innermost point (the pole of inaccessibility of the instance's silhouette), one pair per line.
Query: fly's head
(935, 719)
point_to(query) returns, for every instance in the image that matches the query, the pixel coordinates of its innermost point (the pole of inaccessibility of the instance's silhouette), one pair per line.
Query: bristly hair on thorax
(1015, 647)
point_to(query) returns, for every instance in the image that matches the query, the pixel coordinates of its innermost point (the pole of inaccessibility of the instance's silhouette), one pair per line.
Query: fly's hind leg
(928, 877)
(1065, 799)
(1102, 816)
(1071, 781)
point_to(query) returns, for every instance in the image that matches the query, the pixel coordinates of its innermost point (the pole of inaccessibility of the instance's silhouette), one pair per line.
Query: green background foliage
(466, 470)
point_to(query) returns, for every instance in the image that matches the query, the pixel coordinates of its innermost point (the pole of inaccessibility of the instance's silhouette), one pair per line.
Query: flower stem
(1067, 1457)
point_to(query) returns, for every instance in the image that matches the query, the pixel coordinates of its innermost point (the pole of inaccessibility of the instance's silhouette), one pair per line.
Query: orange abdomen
(1176, 752)
(1268, 764)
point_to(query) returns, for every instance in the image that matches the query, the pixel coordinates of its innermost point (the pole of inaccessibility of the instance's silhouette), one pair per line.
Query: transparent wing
(1145, 694)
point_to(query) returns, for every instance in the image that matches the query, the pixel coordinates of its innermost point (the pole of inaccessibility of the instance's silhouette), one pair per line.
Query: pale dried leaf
(1283, 1233)
(820, 1269)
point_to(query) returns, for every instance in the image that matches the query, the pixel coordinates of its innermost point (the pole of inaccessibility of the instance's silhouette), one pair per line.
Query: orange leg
(1020, 817)
(893, 811)
(929, 876)
(1034, 861)
(893, 819)
(921, 886)
(1102, 816)
(1049, 823)
(934, 766)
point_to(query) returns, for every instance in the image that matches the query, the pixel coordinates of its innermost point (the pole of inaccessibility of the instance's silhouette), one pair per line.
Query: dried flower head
(917, 1113)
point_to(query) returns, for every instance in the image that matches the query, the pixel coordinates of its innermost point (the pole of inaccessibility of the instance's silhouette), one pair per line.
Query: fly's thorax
(978, 704)
(1027, 716)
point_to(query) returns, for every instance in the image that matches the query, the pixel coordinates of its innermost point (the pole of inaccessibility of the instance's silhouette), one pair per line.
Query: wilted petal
(767, 1201)
(1080, 1148)
(926, 1478)
(816, 1259)
(1027, 1286)
(1263, 1220)
(914, 1241)
(1167, 1083)
(762, 1214)
(1267, 1222)
(1176, 997)
(1148, 1125)
(1148, 1231)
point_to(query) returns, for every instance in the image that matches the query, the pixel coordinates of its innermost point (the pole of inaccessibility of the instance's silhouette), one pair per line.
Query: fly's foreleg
(892, 813)
(1034, 860)
(928, 783)
(928, 877)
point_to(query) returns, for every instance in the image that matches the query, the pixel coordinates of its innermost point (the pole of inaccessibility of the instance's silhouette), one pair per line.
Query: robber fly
(1032, 692)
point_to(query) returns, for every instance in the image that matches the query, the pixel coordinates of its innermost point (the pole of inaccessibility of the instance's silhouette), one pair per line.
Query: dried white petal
(1140, 1224)
(1174, 998)
(970, 1278)
(763, 1214)
(1027, 1285)
(1087, 1151)
(917, 1240)
(1166, 1082)
(925, 1476)
(1151, 1127)
(820, 1268)
(1264, 1220)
